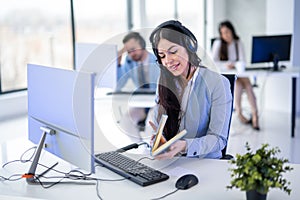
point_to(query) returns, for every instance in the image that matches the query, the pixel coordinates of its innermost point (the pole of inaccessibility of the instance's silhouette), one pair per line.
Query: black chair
(212, 40)
(231, 78)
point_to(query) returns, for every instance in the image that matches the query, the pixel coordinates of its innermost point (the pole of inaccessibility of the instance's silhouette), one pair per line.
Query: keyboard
(130, 169)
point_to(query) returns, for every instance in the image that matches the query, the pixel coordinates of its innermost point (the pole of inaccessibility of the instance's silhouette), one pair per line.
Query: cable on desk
(98, 180)
(10, 178)
(22, 160)
(165, 195)
(145, 157)
(48, 185)
(132, 146)
(97, 189)
(74, 174)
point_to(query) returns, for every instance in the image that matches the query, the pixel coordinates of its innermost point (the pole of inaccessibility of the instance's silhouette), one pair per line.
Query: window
(32, 31)
(192, 16)
(40, 32)
(99, 21)
(151, 13)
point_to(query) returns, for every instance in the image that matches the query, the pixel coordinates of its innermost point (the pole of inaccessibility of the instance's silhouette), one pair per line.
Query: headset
(190, 41)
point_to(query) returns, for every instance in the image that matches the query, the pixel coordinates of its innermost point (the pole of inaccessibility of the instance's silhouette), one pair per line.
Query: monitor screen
(271, 49)
(62, 101)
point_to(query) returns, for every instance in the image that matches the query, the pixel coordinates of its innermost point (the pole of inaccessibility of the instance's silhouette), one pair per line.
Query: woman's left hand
(176, 148)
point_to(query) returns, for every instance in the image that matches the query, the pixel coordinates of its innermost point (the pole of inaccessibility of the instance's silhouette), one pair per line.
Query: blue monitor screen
(271, 48)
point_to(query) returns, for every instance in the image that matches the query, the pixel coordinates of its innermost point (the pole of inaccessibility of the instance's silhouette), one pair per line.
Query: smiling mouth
(174, 67)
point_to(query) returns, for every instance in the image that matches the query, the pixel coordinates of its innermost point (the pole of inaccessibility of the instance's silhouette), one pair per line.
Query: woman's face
(226, 34)
(174, 57)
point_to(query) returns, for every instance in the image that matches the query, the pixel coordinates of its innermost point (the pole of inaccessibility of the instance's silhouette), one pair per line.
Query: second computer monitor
(273, 49)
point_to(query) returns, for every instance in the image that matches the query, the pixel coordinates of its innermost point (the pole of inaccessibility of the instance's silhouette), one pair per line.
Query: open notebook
(159, 148)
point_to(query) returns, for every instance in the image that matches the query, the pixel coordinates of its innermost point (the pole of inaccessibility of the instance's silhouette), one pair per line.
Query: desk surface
(289, 72)
(131, 99)
(213, 177)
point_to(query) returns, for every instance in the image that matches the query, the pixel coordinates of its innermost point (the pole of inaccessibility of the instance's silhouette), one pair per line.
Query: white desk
(213, 177)
(291, 72)
(131, 99)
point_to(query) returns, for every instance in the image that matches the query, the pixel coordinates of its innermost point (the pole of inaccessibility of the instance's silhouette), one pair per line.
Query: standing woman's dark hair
(224, 49)
(169, 96)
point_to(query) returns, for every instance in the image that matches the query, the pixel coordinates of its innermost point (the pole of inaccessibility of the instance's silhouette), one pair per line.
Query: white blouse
(232, 54)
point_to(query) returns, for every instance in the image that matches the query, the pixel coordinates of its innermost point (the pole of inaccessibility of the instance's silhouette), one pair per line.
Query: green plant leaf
(259, 170)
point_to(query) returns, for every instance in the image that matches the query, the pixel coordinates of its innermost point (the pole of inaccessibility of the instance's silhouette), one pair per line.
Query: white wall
(13, 105)
(279, 20)
(279, 16)
(296, 36)
(216, 12)
(248, 20)
(296, 47)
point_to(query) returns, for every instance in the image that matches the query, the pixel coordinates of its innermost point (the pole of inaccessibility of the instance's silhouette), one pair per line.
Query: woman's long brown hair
(223, 54)
(169, 96)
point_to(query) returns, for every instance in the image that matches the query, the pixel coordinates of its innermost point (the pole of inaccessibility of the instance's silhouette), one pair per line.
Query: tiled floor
(275, 130)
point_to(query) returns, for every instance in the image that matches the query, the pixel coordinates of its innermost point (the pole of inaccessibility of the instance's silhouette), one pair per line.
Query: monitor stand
(31, 177)
(276, 67)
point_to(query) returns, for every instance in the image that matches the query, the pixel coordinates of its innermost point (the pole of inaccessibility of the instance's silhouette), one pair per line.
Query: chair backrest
(231, 78)
(212, 40)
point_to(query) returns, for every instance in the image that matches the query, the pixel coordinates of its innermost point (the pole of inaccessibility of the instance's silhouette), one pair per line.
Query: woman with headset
(194, 97)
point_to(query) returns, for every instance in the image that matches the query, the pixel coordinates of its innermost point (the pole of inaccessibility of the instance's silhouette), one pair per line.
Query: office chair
(231, 78)
(212, 40)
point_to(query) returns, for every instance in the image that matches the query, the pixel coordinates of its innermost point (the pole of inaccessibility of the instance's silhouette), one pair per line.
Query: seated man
(139, 66)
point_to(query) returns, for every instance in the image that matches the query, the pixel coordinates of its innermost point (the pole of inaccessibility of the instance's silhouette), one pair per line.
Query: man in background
(139, 65)
(141, 68)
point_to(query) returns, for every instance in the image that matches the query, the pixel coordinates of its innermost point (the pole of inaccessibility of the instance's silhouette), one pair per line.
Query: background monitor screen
(63, 101)
(271, 48)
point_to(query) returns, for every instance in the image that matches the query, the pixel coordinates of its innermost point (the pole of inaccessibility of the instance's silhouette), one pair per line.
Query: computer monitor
(272, 48)
(61, 115)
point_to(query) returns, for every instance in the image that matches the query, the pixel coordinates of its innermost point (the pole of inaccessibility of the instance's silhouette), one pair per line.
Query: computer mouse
(186, 181)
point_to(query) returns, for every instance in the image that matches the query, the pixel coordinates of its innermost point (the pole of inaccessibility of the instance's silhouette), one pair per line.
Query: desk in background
(213, 178)
(291, 72)
(132, 99)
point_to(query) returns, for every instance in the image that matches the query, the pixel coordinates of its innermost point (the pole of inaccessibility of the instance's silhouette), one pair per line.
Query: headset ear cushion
(191, 45)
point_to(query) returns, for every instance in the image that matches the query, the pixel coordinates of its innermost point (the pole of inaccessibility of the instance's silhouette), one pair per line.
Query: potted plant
(257, 172)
